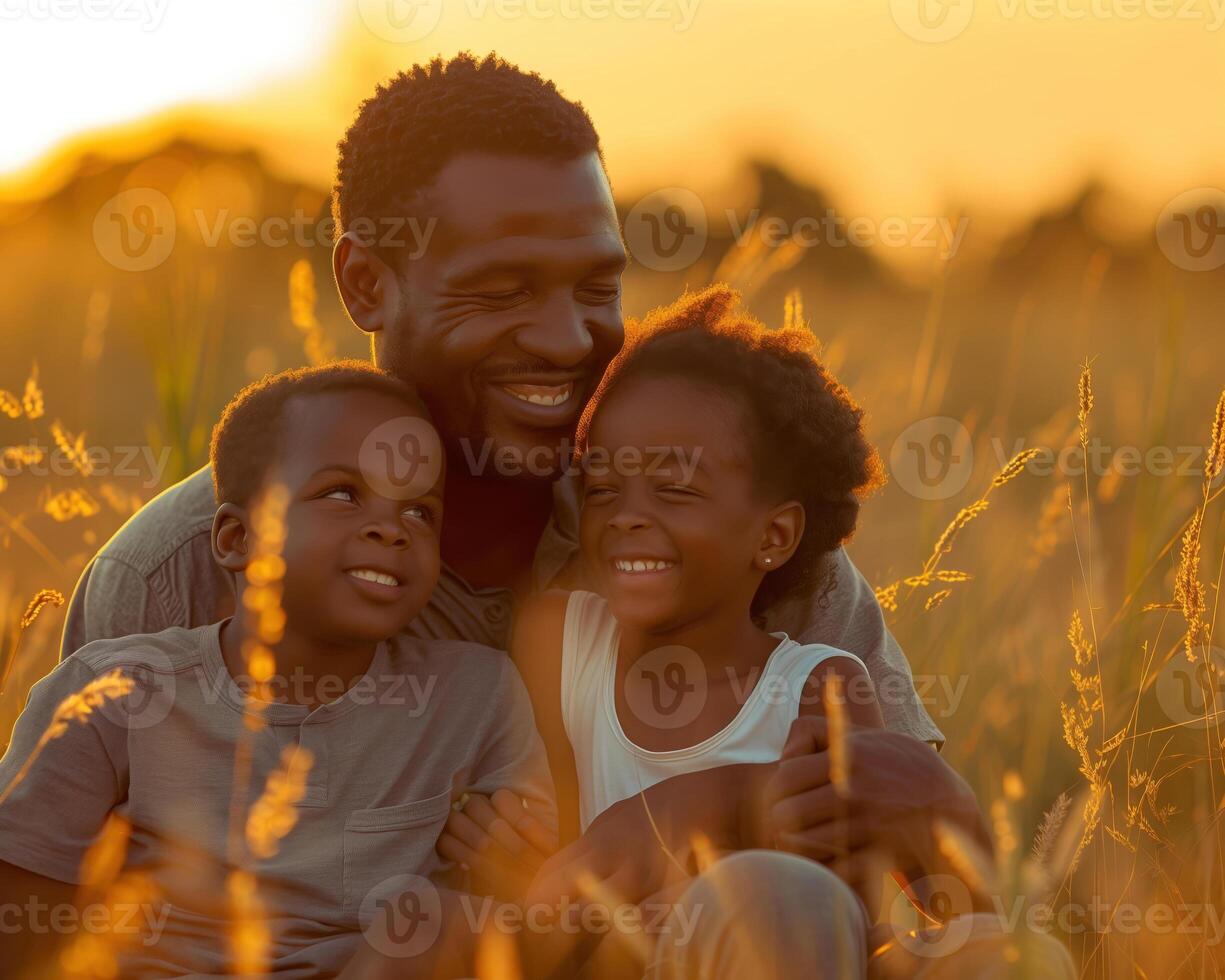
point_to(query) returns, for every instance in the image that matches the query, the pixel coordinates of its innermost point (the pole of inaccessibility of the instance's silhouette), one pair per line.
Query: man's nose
(559, 333)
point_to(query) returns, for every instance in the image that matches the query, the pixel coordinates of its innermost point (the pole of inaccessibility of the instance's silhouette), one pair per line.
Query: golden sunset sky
(1015, 107)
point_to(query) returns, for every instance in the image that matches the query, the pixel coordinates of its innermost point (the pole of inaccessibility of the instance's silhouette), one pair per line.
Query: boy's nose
(391, 533)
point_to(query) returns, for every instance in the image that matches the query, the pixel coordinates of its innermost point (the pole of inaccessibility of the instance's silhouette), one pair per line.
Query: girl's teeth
(372, 576)
(641, 565)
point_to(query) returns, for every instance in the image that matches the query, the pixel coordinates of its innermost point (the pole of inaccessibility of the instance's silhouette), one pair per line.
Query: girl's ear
(781, 537)
(368, 287)
(230, 538)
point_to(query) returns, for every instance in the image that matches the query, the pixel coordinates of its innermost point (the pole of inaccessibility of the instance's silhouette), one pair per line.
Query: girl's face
(671, 522)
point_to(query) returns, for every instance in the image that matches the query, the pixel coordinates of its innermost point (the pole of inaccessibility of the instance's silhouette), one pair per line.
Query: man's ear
(781, 537)
(231, 542)
(368, 286)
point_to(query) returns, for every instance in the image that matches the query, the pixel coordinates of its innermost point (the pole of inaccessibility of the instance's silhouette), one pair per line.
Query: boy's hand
(502, 839)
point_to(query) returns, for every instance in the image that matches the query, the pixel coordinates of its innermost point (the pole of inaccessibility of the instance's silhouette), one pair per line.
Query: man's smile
(541, 394)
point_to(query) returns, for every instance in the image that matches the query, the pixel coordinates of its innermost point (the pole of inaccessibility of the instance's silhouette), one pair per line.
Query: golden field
(1063, 633)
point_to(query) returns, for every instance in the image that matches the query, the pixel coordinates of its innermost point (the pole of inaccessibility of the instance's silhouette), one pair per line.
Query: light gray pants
(767, 915)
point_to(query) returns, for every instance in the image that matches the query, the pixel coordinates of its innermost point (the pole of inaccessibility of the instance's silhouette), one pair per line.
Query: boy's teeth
(642, 565)
(542, 394)
(370, 575)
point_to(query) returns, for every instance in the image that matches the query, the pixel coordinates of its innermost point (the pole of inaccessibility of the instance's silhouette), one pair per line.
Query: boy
(389, 727)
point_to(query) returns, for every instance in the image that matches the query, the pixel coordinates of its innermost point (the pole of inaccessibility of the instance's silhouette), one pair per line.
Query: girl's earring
(768, 561)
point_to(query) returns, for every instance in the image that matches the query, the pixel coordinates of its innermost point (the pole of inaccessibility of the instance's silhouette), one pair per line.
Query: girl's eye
(595, 493)
(679, 490)
(341, 493)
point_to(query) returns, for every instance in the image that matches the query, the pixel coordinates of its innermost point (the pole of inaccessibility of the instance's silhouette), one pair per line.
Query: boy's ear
(368, 286)
(781, 537)
(231, 541)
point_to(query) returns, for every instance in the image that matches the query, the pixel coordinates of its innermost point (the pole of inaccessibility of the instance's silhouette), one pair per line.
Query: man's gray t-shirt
(387, 753)
(158, 571)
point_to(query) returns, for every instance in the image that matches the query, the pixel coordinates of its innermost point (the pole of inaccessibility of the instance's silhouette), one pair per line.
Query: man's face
(511, 313)
(359, 564)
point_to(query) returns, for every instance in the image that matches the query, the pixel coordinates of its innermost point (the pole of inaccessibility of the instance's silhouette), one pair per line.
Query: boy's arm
(27, 948)
(60, 777)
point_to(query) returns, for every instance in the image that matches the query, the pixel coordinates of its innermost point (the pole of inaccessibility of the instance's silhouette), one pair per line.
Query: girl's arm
(535, 648)
(499, 839)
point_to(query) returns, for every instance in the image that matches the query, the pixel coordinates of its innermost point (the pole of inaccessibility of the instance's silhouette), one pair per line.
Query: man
(505, 323)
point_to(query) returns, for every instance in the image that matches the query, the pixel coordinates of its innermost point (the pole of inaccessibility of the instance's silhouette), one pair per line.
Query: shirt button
(495, 613)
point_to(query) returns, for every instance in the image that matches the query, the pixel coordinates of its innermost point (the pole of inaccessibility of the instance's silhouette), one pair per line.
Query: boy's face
(694, 512)
(342, 533)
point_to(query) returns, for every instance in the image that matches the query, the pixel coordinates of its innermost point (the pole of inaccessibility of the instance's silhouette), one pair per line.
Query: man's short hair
(248, 439)
(415, 124)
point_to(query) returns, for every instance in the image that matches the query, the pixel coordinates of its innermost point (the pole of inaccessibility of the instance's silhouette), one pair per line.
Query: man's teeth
(370, 575)
(542, 394)
(642, 565)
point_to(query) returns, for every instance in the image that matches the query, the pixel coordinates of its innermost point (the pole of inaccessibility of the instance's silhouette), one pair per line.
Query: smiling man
(505, 323)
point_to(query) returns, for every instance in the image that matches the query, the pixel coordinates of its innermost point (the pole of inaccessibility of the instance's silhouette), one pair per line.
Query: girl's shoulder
(791, 657)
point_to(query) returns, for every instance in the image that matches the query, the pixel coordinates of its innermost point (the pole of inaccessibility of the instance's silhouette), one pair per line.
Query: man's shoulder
(170, 651)
(173, 520)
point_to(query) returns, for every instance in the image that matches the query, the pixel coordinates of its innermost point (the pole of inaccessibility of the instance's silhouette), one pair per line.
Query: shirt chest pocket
(387, 841)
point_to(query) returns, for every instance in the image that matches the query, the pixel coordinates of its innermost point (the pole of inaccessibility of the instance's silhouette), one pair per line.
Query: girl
(721, 463)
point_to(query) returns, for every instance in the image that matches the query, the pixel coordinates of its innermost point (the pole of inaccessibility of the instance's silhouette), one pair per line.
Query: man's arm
(111, 599)
(157, 571)
(850, 618)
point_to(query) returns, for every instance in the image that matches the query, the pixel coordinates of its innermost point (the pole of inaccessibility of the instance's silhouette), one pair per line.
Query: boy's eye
(419, 512)
(341, 493)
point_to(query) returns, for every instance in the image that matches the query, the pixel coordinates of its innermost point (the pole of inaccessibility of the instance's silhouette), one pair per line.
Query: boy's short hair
(247, 440)
(416, 123)
(803, 429)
